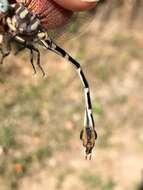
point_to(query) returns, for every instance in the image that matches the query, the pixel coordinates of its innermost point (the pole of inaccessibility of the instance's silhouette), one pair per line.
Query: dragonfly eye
(3, 6)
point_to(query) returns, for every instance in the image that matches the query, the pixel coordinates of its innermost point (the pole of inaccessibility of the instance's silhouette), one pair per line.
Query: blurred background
(40, 119)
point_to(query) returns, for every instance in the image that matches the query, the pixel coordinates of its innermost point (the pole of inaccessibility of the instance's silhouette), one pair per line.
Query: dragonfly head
(4, 6)
(88, 136)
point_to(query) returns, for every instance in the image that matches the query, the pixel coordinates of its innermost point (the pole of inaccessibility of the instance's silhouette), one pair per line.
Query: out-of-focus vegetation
(40, 119)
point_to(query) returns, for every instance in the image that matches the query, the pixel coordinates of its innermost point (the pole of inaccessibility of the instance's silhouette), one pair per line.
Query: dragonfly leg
(4, 55)
(32, 60)
(89, 128)
(32, 49)
(5, 48)
(38, 59)
(19, 50)
(31, 56)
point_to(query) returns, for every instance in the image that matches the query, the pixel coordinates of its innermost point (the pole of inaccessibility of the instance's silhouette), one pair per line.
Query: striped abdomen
(49, 13)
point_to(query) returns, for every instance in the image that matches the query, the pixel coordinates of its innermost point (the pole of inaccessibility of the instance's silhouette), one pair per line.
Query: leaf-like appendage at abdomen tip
(50, 14)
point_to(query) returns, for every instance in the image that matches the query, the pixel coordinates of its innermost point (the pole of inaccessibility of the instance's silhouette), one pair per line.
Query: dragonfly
(29, 22)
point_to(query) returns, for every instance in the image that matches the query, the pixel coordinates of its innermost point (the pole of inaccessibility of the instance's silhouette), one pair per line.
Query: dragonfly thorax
(24, 22)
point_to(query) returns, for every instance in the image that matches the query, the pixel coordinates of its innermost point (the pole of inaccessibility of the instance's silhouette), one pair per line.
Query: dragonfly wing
(77, 25)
